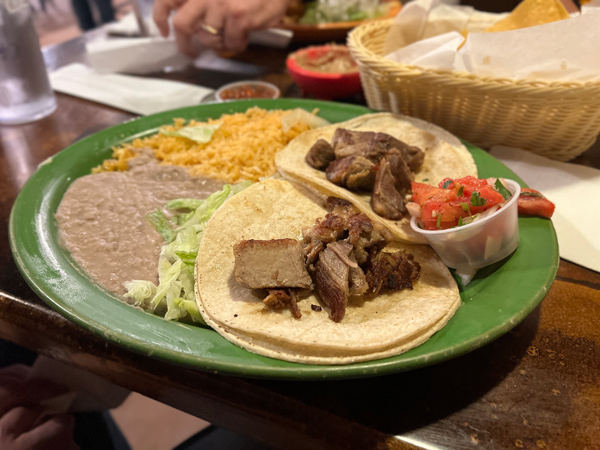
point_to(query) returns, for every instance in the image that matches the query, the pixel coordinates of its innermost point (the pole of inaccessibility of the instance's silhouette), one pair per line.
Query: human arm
(232, 20)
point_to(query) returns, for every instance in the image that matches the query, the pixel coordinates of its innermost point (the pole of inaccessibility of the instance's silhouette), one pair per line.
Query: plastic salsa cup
(470, 247)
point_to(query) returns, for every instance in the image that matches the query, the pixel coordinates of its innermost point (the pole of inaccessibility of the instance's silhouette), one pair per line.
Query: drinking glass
(25, 92)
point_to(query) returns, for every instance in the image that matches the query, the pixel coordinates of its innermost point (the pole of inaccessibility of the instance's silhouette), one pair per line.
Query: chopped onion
(414, 209)
(483, 215)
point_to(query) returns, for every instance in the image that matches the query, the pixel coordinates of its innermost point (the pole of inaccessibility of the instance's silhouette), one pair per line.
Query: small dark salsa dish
(247, 89)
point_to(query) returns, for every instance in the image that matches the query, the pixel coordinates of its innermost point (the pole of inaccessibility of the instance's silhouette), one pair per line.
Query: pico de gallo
(457, 202)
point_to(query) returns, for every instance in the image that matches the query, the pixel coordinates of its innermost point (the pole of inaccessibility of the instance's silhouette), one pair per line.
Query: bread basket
(558, 120)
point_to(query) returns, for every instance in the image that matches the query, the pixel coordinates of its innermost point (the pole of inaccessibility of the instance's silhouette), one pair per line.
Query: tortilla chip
(445, 156)
(386, 325)
(530, 13)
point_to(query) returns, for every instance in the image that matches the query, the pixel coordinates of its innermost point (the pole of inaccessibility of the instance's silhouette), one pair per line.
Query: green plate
(494, 302)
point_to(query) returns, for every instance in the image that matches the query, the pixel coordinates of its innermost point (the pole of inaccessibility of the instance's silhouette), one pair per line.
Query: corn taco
(439, 155)
(371, 326)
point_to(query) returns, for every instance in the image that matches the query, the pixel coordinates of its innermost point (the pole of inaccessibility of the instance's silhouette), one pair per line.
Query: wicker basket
(555, 119)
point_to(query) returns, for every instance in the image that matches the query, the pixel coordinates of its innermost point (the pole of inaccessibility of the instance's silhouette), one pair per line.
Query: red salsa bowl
(325, 71)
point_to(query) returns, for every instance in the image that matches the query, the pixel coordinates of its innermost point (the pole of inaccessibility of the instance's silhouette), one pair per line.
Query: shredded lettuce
(174, 296)
(325, 11)
(198, 133)
(161, 223)
(139, 291)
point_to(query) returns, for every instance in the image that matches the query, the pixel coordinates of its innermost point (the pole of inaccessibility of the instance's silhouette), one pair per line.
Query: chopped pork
(369, 161)
(331, 280)
(320, 155)
(391, 272)
(386, 200)
(354, 172)
(280, 299)
(275, 263)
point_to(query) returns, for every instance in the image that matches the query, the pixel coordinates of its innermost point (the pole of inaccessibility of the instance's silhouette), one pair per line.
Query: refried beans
(102, 219)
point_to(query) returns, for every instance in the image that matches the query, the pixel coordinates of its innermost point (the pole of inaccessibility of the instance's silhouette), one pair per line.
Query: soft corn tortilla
(445, 156)
(387, 325)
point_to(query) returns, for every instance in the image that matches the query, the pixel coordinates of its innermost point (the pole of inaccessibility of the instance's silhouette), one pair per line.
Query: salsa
(250, 90)
(453, 203)
(456, 202)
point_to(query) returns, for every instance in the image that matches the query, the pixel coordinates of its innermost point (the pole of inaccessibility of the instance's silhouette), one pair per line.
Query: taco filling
(372, 160)
(369, 161)
(364, 298)
(342, 253)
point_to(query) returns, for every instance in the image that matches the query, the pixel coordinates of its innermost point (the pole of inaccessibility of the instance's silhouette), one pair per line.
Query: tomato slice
(532, 203)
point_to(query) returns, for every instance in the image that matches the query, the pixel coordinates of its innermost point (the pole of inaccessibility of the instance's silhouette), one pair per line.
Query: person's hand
(218, 24)
(22, 425)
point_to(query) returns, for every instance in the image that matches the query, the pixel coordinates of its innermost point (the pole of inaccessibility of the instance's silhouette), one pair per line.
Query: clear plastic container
(470, 247)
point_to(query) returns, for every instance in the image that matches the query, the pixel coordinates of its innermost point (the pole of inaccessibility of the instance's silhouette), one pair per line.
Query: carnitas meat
(283, 298)
(354, 172)
(340, 248)
(270, 264)
(320, 155)
(340, 256)
(331, 277)
(392, 184)
(387, 271)
(370, 161)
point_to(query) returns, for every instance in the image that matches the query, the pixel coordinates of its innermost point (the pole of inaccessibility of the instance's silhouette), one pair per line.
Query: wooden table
(538, 386)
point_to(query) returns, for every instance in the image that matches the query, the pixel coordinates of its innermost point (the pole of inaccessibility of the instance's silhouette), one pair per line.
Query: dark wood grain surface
(538, 386)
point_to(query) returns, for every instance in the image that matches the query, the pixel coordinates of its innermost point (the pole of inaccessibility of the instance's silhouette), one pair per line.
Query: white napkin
(128, 26)
(549, 52)
(135, 94)
(574, 190)
(423, 19)
(135, 55)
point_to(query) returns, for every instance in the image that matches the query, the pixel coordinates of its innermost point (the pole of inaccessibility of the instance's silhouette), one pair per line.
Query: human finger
(211, 28)
(186, 24)
(191, 15)
(161, 12)
(17, 371)
(235, 33)
(19, 420)
(28, 392)
(56, 432)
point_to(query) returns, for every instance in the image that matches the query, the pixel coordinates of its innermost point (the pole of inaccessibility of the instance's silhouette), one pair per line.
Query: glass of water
(25, 92)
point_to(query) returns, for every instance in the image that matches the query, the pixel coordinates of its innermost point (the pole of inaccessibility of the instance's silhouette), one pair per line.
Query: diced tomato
(491, 196)
(422, 192)
(443, 206)
(532, 203)
(446, 183)
(473, 182)
(438, 215)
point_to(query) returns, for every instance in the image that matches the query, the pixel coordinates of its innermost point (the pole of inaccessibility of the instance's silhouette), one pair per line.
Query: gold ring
(210, 30)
